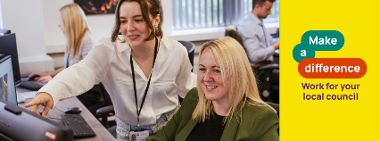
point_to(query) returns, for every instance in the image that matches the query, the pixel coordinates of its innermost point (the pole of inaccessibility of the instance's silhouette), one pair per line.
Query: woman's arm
(45, 77)
(50, 76)
(54, 73)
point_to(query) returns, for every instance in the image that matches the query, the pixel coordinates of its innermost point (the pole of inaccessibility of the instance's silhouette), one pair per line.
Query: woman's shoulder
(192, 95)
(261, 119)
(173, 44)
(87, 42)
(87, 36)
(105, 42)
(257, 109)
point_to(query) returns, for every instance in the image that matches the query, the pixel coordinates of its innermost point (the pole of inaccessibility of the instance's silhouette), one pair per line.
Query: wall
(25, 18)
(100, 25)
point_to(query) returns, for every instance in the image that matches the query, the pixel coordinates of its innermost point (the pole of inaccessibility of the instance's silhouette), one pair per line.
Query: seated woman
(79, 42)
(226, 104)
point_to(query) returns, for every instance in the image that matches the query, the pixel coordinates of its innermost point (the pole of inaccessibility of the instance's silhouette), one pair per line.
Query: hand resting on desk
(44, 99)
(45, 79)
(41, 77)
(37, 75)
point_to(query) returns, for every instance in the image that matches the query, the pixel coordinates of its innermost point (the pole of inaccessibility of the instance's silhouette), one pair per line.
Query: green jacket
(259, 123)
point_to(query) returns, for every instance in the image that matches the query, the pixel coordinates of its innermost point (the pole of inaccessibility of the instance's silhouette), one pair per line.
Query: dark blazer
(259, 123)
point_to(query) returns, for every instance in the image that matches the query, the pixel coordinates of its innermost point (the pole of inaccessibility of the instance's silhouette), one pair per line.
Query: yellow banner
(333, 109)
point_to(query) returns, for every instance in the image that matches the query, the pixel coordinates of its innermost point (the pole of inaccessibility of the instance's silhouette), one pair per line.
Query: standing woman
(79, 42)
(143, 71)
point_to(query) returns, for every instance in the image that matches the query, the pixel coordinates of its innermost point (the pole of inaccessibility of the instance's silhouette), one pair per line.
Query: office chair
(106, 111)
(105, 100)
(267, 75)
(190, 50)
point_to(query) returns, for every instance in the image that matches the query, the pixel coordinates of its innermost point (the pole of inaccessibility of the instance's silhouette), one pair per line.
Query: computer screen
(19, 124)
(7, 86)
(8, 46)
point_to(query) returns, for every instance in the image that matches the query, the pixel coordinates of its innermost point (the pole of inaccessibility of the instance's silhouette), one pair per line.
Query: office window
(190, 14)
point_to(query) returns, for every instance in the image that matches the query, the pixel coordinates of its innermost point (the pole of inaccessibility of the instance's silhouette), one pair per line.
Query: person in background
(226, 104)
(143, 71)
(259, 44)
(79, 42)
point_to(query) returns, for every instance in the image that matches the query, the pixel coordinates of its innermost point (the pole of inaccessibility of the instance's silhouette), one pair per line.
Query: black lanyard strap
(147, 85)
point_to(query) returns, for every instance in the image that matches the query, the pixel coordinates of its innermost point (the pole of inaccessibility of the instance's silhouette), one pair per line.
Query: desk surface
(102, 133)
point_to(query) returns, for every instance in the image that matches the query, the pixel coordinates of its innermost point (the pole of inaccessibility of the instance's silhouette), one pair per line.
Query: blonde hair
(75, 27)
(236, 72)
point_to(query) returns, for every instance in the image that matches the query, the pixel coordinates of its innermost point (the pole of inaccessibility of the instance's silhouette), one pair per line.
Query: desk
(102, 133)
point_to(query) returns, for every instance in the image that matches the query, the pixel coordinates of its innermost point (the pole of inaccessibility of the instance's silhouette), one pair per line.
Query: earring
(155, 29)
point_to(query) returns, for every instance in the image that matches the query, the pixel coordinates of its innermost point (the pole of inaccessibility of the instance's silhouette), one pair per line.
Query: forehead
(208, 58)
(130, 9)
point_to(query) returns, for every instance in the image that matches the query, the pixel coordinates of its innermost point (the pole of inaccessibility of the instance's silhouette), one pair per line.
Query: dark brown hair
(148, 8)
(260, 2)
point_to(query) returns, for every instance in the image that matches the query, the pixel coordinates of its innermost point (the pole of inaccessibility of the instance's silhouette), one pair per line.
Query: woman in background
(226, 104)
(73, 24)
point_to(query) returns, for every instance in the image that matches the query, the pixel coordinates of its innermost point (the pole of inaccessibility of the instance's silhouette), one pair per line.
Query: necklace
(142, 64)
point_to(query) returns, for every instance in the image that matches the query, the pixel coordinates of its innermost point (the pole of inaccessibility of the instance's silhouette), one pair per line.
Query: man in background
(260, 46)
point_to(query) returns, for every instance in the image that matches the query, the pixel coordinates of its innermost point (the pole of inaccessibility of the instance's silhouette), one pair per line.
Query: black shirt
(210, 130)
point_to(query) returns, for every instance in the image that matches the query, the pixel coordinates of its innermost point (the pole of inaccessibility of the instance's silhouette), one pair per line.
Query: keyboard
(79, 126)
(30, 85)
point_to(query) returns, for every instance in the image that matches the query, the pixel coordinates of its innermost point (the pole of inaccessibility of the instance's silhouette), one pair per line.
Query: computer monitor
(8, 46)
(7, 86)
(17, 123)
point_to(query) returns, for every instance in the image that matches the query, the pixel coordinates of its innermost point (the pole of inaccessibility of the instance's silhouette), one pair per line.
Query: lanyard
(147, 85)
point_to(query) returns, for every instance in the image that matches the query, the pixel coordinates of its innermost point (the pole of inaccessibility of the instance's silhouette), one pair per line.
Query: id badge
(138, 135)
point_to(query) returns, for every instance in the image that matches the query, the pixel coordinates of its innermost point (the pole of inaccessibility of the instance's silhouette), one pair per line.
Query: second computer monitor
(8, 46)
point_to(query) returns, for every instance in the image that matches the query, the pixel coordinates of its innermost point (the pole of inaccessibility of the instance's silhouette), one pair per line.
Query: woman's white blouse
(109, 63)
